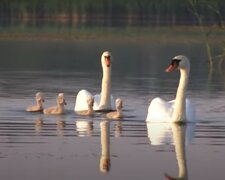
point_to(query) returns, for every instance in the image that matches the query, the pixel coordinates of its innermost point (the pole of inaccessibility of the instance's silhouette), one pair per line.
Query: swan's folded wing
(97, 98)
(113, 106)
(159, 110)
(190, 111)
(81, 100)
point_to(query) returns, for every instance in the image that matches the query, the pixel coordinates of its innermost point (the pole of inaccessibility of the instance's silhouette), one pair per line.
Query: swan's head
(106, 59)
(40, 97)
(179, 62)
(119, 103)
(61, 99)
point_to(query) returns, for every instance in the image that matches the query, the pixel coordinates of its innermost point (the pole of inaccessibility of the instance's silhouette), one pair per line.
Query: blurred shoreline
(162, 34)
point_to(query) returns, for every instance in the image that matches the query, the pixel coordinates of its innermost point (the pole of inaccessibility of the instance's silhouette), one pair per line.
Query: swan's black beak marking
(174, 65)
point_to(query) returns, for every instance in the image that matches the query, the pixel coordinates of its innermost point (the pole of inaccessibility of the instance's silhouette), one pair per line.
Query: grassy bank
(163, 34)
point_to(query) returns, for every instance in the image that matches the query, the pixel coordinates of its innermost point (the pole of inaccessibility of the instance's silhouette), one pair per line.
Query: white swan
(103, 101)
(179, 110)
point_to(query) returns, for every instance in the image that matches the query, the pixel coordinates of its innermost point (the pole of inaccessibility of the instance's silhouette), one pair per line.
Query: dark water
(95, 148)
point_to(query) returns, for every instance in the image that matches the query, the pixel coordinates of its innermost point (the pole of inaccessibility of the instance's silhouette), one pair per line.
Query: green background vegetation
(111, 12)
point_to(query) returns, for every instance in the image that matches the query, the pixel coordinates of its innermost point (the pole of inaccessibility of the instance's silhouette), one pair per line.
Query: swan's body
(179, 110)
(59, 109)
(103, 101)
(118, 113)
(89, 111)
(39, 97)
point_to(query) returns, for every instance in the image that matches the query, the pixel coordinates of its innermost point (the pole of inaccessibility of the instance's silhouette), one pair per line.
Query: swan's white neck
(90, 109)
(39, 104)
(105, 101)
(60, 106)
(119, 111)
(179, 113)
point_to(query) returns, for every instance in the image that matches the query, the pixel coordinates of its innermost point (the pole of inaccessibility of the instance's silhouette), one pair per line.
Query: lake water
(103, 149)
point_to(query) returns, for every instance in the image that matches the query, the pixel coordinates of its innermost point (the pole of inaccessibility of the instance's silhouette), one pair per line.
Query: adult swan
(103, 101)
(179, 110)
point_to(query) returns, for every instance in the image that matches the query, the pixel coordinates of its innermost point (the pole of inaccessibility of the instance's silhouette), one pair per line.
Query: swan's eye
(107, 57)
(107, 60)
(175, 62)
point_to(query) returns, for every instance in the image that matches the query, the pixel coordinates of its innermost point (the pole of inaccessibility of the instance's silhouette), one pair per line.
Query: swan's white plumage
(82, 97)
(81, 100)
(180, 109)
(105, 100)
(97, 99)
(161, 111)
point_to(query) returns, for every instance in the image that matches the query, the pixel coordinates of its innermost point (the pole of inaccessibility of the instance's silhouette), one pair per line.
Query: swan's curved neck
(39, 104)
(119, 111)
(60, 106)
(90, 109)
(105, 101)
(179, 113)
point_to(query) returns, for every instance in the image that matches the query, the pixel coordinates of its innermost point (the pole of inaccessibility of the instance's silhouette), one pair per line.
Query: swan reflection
(177, 134)
(84, 127)
(39, 124)
(60, 126)
(105, 144)
(118, 129)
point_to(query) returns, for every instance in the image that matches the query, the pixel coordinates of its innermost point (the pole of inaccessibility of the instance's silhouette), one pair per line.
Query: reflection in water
(38, 124)
(60, 126)
(84, 127)
(118, 129)
(105, 142)
(177, 134)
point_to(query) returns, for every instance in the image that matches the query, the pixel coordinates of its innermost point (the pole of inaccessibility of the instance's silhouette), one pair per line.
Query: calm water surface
(96, 148)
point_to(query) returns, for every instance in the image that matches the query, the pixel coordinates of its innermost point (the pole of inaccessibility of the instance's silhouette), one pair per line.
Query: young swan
(89, 111)
(118, 113)
(59, 109)
(39, 106)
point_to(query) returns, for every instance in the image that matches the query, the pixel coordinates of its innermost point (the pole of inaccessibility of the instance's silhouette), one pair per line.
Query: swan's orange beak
(107, 61)
(171, 68)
